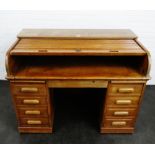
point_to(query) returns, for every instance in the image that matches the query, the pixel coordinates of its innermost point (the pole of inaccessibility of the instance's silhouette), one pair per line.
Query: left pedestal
(33, 105)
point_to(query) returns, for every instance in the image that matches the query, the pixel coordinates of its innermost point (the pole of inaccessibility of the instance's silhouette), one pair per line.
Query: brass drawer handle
(29, 90)
(126, 90)
(33, 112)
(30, 122)
(121, 113)
(31, 101)
(123, 102)
(115, 123)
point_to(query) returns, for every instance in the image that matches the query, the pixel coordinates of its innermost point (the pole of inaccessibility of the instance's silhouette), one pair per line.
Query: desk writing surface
(70, 67)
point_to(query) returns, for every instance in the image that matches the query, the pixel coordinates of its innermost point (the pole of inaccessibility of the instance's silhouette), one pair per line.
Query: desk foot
(116, 130)
(35, 129)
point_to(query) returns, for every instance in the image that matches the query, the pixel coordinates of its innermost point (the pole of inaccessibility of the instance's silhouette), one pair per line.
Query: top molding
(78, 33)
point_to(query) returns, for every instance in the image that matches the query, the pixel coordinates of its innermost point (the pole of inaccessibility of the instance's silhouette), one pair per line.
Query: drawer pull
(33, 112)
(126, 90)
(30, 122)
(29, 90)
(121, 113)
(122, 123)
(123, 102)
(31, 101)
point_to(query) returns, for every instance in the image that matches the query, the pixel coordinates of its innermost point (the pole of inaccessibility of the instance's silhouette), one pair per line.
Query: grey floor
(76, 119)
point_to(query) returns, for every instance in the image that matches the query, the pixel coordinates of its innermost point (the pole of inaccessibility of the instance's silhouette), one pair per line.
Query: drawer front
(121, 101)
(77, 84)
(26, 112)
(28, 89)
(120, 112)
(33, 122)
(118, 123)
(30, 101)
(125, 89)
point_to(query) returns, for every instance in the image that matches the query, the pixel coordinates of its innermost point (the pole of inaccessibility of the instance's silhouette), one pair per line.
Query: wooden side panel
(10, 64)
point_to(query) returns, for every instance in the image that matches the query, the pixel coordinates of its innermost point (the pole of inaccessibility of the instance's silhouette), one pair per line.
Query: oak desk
(50, 58)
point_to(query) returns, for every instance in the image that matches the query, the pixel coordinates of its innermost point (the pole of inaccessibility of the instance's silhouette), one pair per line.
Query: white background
(141, 22)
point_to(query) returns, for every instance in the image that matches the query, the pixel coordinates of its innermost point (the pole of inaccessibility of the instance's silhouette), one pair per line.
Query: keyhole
(78, 50)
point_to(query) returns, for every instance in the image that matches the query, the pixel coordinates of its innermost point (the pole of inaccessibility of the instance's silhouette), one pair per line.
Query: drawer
(26, 112)
(122, 101)
(28, 89)
(77, 83)
(118, 123)
(33, 122)
(125, 89)
(30, 101)
(120, 112)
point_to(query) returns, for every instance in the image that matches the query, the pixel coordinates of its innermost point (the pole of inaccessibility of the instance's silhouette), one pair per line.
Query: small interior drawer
(118, 123)
(30, 101)
(122, 101)
(28, 89)
(120, 112)
(125, 89)
(33, 122)
(36, 112)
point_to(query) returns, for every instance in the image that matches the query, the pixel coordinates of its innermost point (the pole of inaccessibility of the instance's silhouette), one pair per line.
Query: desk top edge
(78, 33)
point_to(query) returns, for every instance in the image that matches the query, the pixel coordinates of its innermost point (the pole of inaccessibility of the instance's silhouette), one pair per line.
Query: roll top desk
(43, 59)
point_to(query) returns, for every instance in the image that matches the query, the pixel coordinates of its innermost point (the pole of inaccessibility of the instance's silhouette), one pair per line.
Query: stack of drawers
(121, 107)
(32, 107)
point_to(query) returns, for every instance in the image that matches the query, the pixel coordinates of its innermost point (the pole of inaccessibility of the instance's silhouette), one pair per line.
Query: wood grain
(79, 68)
(81, 52)
(43, 122)
(114, 89)
(19, 100)
(32, 112)
(77, 33)
(77, 84)
(118, 112)
(50, 58)
(76, 44)
(112, 101)
(17, 89)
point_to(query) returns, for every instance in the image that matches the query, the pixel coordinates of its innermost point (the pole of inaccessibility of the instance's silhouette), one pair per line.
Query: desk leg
(50, 108)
